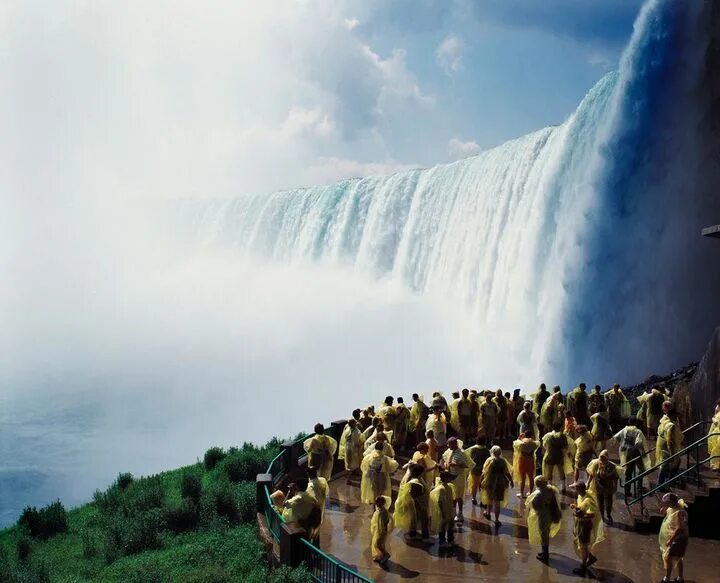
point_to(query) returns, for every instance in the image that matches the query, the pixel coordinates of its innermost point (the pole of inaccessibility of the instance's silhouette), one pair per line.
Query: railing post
(261, 481)
(290, 545)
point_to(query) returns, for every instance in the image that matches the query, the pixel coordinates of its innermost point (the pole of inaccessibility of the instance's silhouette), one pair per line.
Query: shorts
(526, 465)
(678, 548)
(582, 459)
(583, 530)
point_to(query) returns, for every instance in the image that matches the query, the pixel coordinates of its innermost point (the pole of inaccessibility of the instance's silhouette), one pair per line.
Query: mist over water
(569, 254)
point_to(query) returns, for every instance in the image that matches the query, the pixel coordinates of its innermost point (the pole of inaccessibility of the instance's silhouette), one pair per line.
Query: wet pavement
(484, 554)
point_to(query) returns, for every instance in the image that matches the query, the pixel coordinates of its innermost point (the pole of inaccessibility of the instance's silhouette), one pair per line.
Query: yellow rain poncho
(430, 466)
(436, 423)
(318, 488)
(454, 415)
(377, 470)
(351, 448)
(544, 514)
(298, 508)
(320, 450)
(495, 482)
(631, 439)
(387, 448)
(714, 442)
(524, 458)
(584, 449)
(558, 452)
(388, 414)
(402, 423)
(588, 504)
(441, 506)
(381, 525)
(669, 441)
(405, 512)
(675, 518)
(418, 413)
(527, 421)
(617, 404)
(461, 470)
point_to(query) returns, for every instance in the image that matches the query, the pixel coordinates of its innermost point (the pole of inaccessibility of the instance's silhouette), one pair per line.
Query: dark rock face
(705, 385)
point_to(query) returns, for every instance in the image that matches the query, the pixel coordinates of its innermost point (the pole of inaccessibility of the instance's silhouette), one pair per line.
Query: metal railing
(325, 568)
(692, 468)
(322, 567)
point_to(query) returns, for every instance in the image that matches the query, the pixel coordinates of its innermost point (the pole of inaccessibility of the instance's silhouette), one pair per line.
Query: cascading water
(576, 247)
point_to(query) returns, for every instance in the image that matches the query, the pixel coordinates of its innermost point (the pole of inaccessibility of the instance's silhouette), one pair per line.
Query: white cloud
(600, 60)
(351, 23)
(449, 54)
(303, 122)
(458, 149)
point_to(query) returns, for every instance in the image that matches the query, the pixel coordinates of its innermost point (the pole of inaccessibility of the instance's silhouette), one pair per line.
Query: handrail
(354, 575)
(696, 467)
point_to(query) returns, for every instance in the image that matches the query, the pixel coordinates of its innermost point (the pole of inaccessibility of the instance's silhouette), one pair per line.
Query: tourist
(551, 411)
(653, 410)
(439, 402)
(577, 404)
(365, 421)
(377, 470)
(518, 404)
(388, 414)
(418, 417)
(379, 438)
(524, 448)
(571, 426)
(464, 413)
(455, 462)
(558, 454)
(351, 448)
(381, 525)
(603, 479)
(402, 422)
(674, 536)
(437, 423)
(502, 405)
(433, 446)
(277, 500)
(376, 425)
(714, 440)
(318, 488)
(474, 416)
(669, 442)
(544, 516)
(596, 402)
(528, 421)
(299, 503)
(539, 400)
(478, 453)
(634, 458)
(600, 429)
(441, 510)
(423, 459)
(488, 417)
(584, 450)
(618, 408)
(321, 449)
(411, 506)
(588, 527)
(495, 483)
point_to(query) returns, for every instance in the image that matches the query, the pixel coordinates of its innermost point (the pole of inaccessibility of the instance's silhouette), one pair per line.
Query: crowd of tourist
(453, 448)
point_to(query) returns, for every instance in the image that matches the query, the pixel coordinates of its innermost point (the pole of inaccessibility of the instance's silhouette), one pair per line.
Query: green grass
(192, 525)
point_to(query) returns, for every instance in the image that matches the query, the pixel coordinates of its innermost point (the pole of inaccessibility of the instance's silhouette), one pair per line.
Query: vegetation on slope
(192, 525)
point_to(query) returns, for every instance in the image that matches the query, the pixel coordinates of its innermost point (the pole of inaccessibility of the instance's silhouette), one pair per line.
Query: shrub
(124, 480)
(208, 574)
(46, 522)
(183, 517)
(212, 457)
(225, 503)
(128, 535)
(246, 504)
(24, 546)
(89, 546)
(142, 496)
(108, 501)
(191, 487)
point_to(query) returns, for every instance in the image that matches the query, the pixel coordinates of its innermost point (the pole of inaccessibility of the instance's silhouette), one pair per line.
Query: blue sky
(185, 98)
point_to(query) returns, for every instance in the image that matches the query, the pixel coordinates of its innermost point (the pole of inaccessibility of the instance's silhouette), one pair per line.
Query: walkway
(483, 555)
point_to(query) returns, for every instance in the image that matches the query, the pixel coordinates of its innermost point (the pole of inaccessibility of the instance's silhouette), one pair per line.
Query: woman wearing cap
(674, 535)
(588, 527)
(496, 479)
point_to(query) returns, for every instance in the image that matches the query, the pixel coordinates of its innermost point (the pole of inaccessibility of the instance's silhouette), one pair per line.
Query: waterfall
(562, 245)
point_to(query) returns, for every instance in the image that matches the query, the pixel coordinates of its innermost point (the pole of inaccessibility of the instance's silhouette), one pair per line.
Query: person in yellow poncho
(321, 450)
(669, 442)
(478, 453)
(381, 525)
(600, 429)
(551, 411)
(300, 505)
(588, 527)
(388, 413)
(502, 405)
(558, 454)
(634, 457)
(457, 463)
(351, 448)
(318, 488)
(618, 407)
(429, 465)
(539, 399)
(603, 479)
(379, 438)
(584, 449)
(453, 418)
(441, 510)
(377, 470)
(437, 424)
(488, 417)
(496, 479)
(464, 415)
(544, 516)
(524, 448)
(674, 535)
(527, 421)
(418, 417)
(402, 422)
(714, 440)
(411, 506)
